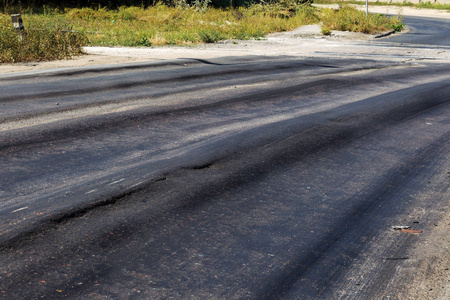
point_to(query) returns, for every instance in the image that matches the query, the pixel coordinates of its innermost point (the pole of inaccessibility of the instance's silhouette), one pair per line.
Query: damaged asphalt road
(244, 177)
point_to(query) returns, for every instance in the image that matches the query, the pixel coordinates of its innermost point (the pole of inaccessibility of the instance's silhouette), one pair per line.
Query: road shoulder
(305, 41)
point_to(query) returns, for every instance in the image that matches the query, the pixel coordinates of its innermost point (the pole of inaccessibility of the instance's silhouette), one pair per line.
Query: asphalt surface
(231, 178)
(424, 31)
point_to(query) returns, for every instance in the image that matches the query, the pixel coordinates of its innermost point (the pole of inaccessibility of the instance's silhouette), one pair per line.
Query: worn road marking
(19, 209)
(117, 181)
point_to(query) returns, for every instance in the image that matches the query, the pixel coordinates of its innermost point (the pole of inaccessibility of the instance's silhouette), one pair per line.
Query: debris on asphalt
(398, 227)
(411, 231)
(406, 229)
(397, 258)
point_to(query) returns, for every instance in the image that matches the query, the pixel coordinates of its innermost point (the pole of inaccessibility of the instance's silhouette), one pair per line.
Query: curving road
(424, 31)
(245, 177)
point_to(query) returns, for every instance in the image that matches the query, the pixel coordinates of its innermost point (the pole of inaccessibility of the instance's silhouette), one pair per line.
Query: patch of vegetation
(325, 30)
(181, 25)
(430, 5)
(45, 42)
(398, 27)
(279, 8)
(405, 3)
(210, 36)
(348, 18)
(55, 33)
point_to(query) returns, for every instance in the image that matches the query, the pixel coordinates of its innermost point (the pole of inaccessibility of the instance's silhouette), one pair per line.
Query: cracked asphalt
(234, 177)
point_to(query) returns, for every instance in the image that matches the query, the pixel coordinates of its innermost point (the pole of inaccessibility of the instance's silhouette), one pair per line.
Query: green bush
(325, 30)
(210, 36)
(397, 27)
(348, 18)
(40, 43)
(279, 8)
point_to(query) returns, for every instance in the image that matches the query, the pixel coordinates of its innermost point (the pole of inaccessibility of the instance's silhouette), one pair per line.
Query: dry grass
(163, 25)
(423, 4)
(351, 19)
(44, 42)
(60, 34)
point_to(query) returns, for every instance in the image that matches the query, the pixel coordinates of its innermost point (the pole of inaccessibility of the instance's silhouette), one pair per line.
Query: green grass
(47, 41)
(163, 25)
(426, 4)
(56, 34)
(430, 5)
(348, 18)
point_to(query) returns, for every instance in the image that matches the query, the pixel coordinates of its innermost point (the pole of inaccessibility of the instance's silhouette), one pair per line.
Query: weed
(43, 42)
(397, 27)
(351, 19)
(325, 30)
(180, 24)
(210, 36)
(421, 4)
(201, 5)
(144, 41)
(428, 4)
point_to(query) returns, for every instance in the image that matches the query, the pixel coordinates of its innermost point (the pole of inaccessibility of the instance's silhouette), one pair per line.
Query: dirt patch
(426, 275)
(429, 277)
(432, 275)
